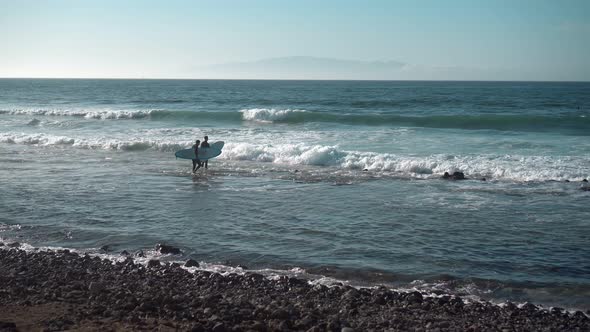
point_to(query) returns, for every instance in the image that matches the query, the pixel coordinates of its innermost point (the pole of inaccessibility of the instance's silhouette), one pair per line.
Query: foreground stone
(57, 291)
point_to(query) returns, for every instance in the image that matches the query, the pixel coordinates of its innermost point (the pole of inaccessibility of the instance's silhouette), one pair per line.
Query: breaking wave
(505, 167)
(578, 124)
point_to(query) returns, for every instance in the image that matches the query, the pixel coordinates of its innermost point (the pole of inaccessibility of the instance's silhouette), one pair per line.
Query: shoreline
(56, 290)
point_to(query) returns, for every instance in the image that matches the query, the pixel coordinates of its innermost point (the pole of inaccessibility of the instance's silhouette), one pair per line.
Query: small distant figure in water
(196, 162)
(205, 144)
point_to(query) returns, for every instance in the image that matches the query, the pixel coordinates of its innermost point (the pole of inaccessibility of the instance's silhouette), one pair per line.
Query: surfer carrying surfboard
(205, 144)
(196, 162)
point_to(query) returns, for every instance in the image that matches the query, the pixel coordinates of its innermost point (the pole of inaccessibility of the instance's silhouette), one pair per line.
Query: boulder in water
(165, 249)
(455, 176)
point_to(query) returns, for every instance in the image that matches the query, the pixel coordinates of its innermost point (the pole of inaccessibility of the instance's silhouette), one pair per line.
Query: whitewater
(329, 180)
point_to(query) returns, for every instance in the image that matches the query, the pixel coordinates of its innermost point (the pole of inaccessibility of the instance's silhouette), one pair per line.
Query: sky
(422, 39)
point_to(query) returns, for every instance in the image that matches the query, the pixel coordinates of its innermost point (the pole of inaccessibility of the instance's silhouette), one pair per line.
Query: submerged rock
(191, 263)
(166, 249)
(455, 176)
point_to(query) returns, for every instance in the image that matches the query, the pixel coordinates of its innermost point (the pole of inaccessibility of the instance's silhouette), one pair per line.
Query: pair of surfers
(196, 162)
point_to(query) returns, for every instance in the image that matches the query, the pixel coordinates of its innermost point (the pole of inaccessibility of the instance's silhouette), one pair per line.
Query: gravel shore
(61, 290)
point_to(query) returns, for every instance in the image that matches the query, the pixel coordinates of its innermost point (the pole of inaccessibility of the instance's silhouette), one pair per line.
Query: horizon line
(283, 79)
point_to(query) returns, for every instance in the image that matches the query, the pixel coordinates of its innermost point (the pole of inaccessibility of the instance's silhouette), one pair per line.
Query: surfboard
(212, 151)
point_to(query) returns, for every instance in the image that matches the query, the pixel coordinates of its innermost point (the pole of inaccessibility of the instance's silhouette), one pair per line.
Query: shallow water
(340, 179)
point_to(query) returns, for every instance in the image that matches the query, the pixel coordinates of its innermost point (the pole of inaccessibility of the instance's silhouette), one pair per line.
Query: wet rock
(528, 307)
(280, 314)
(96, 287)
(191, 263)
(14, 245)
(455, 176)
(414, 297)
(7, 326)
(1, 244)
(219, 327)
(166, 249)
(105, 248)
(139, 253)
(124, 253)
(154, 263)
(204, 301)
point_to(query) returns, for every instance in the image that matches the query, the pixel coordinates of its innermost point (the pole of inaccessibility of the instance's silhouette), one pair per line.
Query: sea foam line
(334, 158)
(105, 114)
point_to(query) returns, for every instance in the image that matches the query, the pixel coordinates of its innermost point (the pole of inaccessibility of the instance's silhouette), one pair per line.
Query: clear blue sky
(536, 39)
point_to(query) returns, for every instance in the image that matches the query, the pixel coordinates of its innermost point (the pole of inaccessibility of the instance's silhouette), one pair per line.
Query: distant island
(320, 68)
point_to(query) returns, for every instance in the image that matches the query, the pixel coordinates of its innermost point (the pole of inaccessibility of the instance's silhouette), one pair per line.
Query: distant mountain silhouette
(304, 67)
(318, 68)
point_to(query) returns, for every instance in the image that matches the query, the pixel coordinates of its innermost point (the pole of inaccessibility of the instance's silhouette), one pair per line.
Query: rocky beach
(62, 290)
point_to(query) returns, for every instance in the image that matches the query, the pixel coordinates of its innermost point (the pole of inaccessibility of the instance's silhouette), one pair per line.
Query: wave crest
(88, 114)
(267, 114)
(332, 159)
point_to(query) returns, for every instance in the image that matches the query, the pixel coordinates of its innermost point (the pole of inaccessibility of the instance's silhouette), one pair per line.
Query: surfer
(196, 162)
(205, 144)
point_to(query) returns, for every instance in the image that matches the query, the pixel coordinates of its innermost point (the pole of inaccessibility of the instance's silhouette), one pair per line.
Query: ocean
(334, 181)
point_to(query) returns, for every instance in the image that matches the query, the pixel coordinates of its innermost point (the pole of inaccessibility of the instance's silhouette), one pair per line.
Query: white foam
(267, 114)
(102, 114)
(517, 168)
(331, 158)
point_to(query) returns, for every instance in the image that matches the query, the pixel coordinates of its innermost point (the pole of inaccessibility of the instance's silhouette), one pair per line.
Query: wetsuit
(196, 161)
(205, 145)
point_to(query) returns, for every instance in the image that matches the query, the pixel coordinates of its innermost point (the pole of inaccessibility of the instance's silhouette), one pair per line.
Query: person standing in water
(196, 162)
(205, 144)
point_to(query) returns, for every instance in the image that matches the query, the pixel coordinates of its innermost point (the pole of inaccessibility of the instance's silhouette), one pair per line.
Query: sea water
(328, 180)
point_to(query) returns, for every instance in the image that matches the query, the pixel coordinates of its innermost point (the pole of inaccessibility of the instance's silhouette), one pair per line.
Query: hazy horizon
(332, 40)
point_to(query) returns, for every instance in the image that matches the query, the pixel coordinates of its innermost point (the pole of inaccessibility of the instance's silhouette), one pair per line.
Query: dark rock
(154, 263)
(96, 287)
(14, 245)
(8, 327)
(219, 327)
(580, 316)
(166, 249)
(280, 314)
(455, 176)
(1, 244)
(105, 248)
(191, 263)
(102, 292)
(528, 307)
(124, 253)
(414, 297)
(197, 328)
(139, 253)
(458, 176)
(585, 180)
